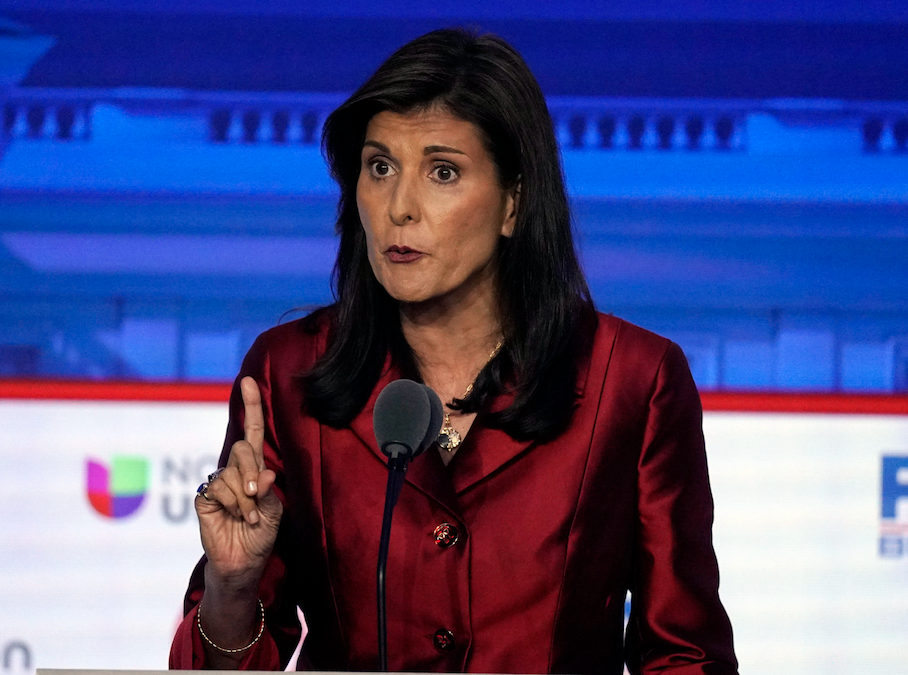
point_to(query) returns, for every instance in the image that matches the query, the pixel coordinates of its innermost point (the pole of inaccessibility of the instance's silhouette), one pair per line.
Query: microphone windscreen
(401, 417)
(438, 416)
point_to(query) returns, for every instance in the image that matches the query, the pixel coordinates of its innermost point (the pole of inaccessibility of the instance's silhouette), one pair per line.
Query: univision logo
(117, 491)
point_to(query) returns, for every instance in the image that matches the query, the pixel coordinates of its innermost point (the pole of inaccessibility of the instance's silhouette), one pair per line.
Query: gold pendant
(448, 436)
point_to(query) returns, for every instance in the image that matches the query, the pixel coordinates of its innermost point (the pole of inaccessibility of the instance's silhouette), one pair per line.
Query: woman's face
(431, 206)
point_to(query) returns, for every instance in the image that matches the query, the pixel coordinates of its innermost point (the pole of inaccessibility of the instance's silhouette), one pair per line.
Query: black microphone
(406, 420)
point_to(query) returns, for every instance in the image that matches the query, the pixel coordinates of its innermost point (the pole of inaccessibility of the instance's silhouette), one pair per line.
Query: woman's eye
(445, 174)
(380, 169)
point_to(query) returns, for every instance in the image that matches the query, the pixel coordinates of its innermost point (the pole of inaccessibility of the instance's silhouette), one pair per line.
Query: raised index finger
(254, 419)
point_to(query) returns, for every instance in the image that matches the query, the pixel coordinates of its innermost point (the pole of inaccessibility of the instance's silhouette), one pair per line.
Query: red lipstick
(402, 254)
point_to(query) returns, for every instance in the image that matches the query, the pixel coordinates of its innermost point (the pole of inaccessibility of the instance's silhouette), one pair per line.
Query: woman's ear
(512, 201)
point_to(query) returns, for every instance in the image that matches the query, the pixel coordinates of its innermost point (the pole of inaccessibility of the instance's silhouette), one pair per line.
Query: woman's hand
(240, 517)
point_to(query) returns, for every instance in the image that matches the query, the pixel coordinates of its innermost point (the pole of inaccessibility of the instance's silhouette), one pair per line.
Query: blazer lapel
(486, 450)
(429, 475)
(362, 423)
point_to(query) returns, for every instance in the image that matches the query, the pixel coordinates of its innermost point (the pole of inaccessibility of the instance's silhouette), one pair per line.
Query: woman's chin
(410, 291)
(415, 297)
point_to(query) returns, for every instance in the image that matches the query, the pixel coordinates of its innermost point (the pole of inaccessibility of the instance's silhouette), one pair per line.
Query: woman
(570, 467)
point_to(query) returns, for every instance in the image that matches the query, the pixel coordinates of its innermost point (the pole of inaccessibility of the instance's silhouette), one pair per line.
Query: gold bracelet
(198, 621)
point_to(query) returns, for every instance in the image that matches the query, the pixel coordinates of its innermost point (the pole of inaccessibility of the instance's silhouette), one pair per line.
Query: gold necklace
(448, 437)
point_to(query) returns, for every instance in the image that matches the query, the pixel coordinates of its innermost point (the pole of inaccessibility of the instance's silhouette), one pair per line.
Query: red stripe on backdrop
(790, 402)
(739, 401)
(84, 390)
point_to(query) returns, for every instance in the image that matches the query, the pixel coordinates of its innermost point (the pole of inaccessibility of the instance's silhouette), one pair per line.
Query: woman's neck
(452, 340)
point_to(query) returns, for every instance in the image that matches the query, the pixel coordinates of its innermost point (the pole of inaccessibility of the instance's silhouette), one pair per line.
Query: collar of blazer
(485, 450)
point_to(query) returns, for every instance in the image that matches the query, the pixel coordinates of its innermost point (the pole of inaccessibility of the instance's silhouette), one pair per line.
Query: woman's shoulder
(294, 345)
(613, 333)
(634, 354)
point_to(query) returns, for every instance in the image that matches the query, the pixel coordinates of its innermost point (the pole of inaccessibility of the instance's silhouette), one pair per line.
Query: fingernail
(253, 517)
(252, 488)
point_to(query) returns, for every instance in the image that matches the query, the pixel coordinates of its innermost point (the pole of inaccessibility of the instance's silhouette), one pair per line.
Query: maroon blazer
(549, 536)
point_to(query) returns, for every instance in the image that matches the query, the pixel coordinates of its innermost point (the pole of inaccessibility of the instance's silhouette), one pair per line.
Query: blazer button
(445, 535)
(444, 640)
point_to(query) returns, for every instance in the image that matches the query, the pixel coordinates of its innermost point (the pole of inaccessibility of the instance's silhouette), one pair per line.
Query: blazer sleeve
(677, 622)
(282, 628)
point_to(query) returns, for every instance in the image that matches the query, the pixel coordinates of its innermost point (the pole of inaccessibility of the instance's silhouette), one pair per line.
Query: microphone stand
(397, 468)
(406, 419)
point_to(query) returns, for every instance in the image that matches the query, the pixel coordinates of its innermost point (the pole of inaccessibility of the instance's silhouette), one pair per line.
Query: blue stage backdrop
(739, 176)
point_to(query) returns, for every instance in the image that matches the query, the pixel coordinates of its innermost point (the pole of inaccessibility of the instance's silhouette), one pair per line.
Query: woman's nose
(404, 206)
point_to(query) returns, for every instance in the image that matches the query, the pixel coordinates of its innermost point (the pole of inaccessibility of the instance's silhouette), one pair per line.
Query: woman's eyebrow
(429, 149)
(379, 146)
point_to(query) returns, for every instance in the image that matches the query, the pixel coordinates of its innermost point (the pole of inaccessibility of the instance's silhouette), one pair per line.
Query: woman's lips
(402, 254)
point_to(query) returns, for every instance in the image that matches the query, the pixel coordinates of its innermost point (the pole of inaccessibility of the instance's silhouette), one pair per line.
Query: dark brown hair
(543, 295)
